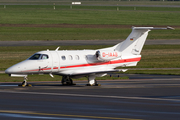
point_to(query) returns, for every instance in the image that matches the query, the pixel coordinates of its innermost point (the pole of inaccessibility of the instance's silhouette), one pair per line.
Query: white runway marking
(95, 96)
(8, 85)
(37, 117)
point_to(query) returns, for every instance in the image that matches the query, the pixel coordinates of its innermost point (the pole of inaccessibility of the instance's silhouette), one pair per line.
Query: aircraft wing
(85, 73)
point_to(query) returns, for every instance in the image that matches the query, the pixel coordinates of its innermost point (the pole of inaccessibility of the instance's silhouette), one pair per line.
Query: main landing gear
(92, 81)
(66, 80)
(24, 83)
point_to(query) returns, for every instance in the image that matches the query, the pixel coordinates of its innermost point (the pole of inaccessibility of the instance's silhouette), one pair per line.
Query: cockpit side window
(35, 57)
(44, 57)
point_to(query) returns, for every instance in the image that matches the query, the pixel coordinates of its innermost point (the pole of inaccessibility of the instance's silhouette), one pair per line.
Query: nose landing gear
(24, 83)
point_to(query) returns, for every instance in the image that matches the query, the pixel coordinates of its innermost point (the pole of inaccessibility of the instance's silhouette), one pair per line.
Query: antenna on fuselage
(57, 48)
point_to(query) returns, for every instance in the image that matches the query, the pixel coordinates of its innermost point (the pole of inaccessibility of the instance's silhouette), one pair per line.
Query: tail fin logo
(131, 39)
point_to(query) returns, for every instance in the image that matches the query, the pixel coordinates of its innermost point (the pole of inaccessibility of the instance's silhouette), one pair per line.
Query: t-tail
(135, 41)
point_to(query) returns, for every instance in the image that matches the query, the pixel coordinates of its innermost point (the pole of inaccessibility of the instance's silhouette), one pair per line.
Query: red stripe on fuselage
(35, 70)
(104, 63)
(55, 67)
(90, 64)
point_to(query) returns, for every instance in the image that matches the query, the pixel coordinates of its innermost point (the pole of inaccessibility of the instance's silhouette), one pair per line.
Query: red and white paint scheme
(79, 63)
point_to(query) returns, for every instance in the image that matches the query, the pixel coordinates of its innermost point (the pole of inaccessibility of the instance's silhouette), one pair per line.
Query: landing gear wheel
(24, 83)
(93, 84)
(69, 82)
(97, 84)
(92, 81)
(66, 80)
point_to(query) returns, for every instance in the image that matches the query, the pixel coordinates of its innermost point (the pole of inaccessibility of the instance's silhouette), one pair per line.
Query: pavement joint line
(95, 96)
(64, 115)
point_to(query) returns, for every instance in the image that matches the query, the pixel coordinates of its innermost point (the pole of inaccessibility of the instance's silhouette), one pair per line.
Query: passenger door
(55, 61)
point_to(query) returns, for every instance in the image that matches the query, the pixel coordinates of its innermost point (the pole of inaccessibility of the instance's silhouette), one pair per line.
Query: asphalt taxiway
(142, 97)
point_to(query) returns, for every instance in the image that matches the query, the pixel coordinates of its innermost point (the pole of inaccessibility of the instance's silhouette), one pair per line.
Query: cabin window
(35, 57)
(63, 57)
(70, 57)
(44, 57)
(77, 57)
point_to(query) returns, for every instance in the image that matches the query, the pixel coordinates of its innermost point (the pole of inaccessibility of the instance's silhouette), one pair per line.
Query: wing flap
(86, 73)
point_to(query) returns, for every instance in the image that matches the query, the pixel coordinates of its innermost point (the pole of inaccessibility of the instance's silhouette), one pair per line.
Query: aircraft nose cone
(6, 71)
(13, 69)
(9, 70)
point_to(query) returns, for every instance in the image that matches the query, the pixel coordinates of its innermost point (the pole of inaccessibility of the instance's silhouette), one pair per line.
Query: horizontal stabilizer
(151, 28)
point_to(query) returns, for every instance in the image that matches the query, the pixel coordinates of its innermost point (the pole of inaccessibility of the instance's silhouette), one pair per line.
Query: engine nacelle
(105, 55)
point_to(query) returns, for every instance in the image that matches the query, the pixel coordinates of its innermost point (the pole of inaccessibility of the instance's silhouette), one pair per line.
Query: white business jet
(84, 63)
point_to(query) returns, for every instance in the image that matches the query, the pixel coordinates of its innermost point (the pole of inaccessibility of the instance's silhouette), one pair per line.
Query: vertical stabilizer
(135, 41)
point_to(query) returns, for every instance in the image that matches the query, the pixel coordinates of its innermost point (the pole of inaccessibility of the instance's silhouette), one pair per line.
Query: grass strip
(88, 15)
(155, 72)
(40, 33)
(45, 14)
(53, 33)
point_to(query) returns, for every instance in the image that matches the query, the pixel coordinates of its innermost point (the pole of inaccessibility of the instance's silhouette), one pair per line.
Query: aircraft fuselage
(70, 62)
(90, 63)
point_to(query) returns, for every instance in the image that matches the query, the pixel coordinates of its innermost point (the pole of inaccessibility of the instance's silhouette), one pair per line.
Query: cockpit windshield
(35, 57)
(39, 56)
